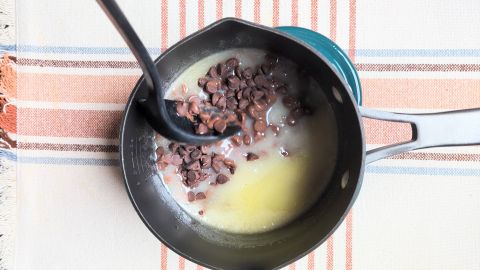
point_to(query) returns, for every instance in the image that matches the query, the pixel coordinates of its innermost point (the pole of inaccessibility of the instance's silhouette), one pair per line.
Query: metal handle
(461, 127)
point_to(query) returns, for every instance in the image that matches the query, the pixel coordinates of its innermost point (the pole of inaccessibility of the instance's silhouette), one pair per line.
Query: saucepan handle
(453, 128)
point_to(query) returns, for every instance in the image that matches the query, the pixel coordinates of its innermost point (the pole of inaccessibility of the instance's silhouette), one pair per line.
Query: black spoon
(160, 113)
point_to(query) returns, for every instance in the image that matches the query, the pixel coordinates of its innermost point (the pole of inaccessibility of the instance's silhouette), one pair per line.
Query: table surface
(63, 203)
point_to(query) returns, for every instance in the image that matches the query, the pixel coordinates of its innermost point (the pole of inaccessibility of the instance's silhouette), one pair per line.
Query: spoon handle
(116, 16)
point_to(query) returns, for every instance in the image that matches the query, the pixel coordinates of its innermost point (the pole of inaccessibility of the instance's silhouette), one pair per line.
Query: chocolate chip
(247, 139)
(260, 126)
(246, 93)
(190, 148)
(230, 93)
(238, 71)
(191, 176)
(221, 69)
(191, 196)
(212, 72)
(260, 80)
(220, 125)
(229, 163)
(202, 81)
(243, 104)
(194, 99)
(247, 73)
(204, 116)
(194, 109)
(254, 113)
(270, 98)
(194, 165)
(231, 118)
(176, 160)
(284, 152)
(291, 121)
(201, 212)
(260, 105)
(258, 136)
(182, 108)
(215, 98)
(232, 62)
(275, 129)
(212, 121)
(200, 196)
(256, 95)
(222, 103)
(182, 151)
(251, 156)
(196, 154)
(206, 161)
(236, 140)
(231, 103)
(160, 151)
(243, 84)
(216, 165)
(233, 82)
(251, 83)
(173, 147)
(201, 129)
(212, 86)
(204, 149)
(222, 179)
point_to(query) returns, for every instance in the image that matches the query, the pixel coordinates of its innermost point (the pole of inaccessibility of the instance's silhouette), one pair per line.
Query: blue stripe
(371, 169)
(9, 155)
(418, 52)
(73, 50)
(422, 171)
(69, 161)
(156, 51)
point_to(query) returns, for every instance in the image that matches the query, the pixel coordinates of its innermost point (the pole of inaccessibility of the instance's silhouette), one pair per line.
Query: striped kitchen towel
(419, 210)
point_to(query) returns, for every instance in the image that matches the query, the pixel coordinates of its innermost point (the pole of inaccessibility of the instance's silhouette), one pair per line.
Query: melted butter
(262, 195)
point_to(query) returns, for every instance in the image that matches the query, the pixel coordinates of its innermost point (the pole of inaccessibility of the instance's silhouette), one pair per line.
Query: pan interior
(216, 248)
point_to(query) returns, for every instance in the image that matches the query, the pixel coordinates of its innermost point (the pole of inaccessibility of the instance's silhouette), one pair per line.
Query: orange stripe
(421, 93)
(181, 263)
(238, 8)
(352, 30)
(333, 19)
(164, 24)
(219, 6)
(348, 244)
(311, 261)
(256, 11)
(183, 9)
(75, 88)
(68, 123)
(294, 12)
(163, 257)
(276, 12)
(381, 132)
(330, 253)
(201, 14)
(314, 15)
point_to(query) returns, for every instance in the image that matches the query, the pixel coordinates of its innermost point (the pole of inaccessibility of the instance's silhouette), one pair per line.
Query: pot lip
(136, 88)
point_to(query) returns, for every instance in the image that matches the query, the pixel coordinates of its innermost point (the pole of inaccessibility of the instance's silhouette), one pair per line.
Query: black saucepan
(274, 249)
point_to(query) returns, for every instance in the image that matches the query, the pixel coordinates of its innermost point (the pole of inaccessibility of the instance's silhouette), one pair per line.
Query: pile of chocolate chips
(235, 94)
